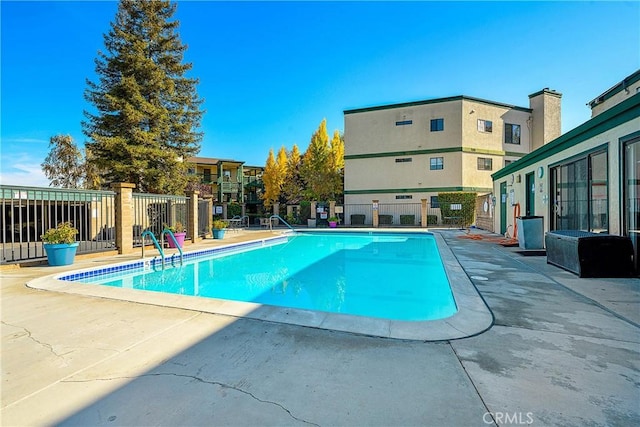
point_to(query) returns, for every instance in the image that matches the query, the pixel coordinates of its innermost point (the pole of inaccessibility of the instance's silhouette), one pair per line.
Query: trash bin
(530, 232)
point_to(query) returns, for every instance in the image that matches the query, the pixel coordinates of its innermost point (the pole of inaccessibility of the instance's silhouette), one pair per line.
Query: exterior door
(530, 200)
(503, 207)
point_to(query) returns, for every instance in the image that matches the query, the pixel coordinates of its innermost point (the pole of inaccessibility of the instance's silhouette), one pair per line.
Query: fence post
(192, 211)
(124, 216)
(423, 213)
(376, 217)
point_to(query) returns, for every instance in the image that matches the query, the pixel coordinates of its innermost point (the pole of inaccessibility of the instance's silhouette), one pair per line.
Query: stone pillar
(192, 220)
(276, 208)
(224, 210)
(376, 219)
(332, 208)
(209, 200)
(244, 209)
(124, 216)
(423, 213)
(313, 210)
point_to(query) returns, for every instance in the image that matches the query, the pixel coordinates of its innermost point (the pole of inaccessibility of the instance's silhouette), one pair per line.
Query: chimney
(545, 118)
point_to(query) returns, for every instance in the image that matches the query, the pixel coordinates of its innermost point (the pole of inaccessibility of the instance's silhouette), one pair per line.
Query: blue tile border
(156, 262)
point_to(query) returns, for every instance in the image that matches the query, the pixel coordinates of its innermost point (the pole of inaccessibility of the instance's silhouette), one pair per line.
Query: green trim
(613, 117)
(434, 151)
(435, 101)
(604, 148)
(419, 190)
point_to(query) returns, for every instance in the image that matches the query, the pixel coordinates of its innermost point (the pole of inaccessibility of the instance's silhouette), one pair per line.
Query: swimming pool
(392, 276)
(472, 316)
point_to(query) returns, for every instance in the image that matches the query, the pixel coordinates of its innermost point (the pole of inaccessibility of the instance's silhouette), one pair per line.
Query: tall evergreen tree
(148, 110)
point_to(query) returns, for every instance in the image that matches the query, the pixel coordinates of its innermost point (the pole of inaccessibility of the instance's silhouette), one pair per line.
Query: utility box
(530, 232)
(590, 254)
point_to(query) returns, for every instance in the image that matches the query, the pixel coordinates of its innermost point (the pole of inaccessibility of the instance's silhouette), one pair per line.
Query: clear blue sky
(270, 72)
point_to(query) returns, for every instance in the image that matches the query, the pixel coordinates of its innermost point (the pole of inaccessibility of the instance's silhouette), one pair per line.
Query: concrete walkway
(562, 351)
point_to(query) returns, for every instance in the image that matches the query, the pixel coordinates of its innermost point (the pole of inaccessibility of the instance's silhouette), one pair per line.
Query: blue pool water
(396, 276)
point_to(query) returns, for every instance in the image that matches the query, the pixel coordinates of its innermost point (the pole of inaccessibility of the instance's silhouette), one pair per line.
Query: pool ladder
(280, 218)
(158, 246)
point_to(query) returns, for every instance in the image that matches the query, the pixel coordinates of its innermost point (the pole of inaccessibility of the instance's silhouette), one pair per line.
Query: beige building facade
(403, 153)
(587, 179)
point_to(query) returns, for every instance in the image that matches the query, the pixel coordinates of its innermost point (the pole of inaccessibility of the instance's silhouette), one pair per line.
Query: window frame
(437, 125)
(511, 134)
(485, 161)
(484, 128)
(431, 163)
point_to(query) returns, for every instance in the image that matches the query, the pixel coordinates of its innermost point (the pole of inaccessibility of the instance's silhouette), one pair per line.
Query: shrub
(467, 202)
(357, 219)
(385, 219)
(219, 224)
(432, 219)
(65, 232)
(407, 220)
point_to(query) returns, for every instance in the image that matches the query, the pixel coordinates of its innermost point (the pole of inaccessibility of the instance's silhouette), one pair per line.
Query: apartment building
(230, 180)
(402, 153)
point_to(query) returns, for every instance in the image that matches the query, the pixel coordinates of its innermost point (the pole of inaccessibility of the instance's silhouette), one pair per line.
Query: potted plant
(333, 221)
(179, 233)
(60, 244)
(218, 227)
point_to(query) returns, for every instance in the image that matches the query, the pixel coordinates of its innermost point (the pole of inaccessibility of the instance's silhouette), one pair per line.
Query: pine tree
(147, 109)
(64, 165)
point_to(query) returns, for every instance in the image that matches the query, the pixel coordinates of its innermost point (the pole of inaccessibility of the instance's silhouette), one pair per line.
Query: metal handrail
(175, 241)
(155, 242)
(280, 218)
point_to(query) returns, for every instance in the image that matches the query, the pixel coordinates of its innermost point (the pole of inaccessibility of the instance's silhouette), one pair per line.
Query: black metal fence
(28, 212)
(154, 212)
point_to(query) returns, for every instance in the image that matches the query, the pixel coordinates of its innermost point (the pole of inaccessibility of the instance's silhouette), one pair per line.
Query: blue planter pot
(61, 253)
(218, 234)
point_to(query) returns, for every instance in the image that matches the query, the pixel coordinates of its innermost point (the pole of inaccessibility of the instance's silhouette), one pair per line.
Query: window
(437, 125)
(485, 125)
(581, 194)
(436, 163)
(485, 164)
(404, 122)
(434, 202)
(508, 162)
(404, 196)
(511, 133)
(404, 160)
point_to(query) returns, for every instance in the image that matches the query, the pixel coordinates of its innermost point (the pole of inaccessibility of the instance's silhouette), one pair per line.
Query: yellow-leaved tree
(274, 176)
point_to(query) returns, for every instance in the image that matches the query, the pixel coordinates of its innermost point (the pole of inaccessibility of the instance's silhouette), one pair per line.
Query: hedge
(467, 202)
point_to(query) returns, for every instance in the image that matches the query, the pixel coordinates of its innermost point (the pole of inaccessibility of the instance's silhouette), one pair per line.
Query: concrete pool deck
(561, 351)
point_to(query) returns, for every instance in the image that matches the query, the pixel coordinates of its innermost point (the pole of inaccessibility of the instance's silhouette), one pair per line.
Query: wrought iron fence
(154, 212)
(28, 212)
